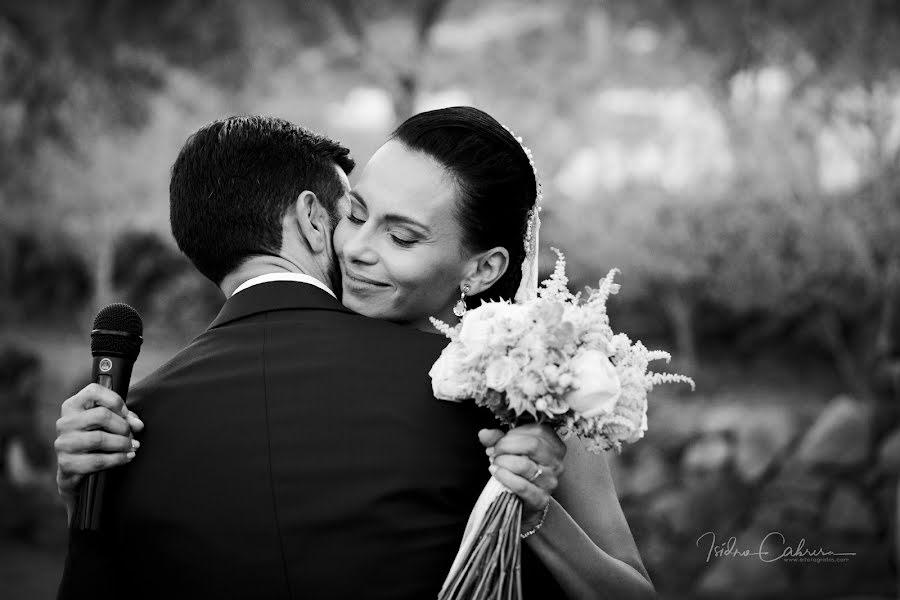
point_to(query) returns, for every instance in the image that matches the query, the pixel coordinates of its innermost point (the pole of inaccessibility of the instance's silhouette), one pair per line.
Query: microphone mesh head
(127, 326)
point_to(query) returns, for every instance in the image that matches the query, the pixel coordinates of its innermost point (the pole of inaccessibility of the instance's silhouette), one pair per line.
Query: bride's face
(399, 244)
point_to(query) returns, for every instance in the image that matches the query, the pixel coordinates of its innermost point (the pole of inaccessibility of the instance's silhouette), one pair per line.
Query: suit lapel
(276, 295)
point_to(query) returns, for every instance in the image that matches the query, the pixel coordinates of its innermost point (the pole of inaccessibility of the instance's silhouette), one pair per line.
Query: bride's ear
(312, 221)
(488, 268)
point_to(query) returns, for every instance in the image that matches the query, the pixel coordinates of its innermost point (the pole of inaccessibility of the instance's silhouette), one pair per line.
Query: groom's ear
(486, 269)
(313, 221)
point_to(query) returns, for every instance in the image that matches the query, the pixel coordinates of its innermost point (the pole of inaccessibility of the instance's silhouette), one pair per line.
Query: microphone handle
(114, 373)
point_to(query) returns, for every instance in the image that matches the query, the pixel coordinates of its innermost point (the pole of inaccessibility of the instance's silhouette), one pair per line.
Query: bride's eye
(402, 242)
(356, 208)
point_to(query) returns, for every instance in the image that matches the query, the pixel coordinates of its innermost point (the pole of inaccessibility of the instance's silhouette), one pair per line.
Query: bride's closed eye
(358, 216)
(400, 241)
(403, 242)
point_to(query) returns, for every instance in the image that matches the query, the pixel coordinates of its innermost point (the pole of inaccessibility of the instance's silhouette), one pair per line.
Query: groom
(294, 449)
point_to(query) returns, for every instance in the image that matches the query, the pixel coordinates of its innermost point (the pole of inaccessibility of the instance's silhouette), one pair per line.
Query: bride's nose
(358, 249)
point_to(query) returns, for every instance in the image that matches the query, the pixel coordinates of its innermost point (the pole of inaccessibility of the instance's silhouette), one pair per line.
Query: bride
(443, 217)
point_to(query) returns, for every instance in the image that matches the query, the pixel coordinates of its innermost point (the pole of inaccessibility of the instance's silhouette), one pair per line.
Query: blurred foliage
(846, 40)
(157, 280)
(47, 274)
(103, 59)
(98, 60)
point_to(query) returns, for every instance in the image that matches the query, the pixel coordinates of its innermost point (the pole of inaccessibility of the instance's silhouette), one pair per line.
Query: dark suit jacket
(293, 450)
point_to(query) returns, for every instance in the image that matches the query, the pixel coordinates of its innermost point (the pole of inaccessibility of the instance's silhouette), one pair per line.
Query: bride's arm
(585, 540)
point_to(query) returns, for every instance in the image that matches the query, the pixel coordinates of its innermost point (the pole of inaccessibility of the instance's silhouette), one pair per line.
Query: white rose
(598, 384)
(478, 324)
(450, 379)
(500, 373)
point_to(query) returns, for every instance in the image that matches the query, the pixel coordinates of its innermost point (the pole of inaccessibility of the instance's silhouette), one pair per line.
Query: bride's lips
(361, 281)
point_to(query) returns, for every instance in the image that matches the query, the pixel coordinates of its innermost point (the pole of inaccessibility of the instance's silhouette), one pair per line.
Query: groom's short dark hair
(235, 179)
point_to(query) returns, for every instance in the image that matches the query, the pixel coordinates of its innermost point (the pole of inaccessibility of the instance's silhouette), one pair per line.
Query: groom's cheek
(343, 207)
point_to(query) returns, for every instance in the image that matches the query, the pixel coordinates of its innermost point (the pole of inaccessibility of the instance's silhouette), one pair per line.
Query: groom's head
(237, 182)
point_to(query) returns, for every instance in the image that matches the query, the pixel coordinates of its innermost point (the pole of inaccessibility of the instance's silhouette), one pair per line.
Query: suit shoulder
(204, 345)
(395, 331)
(400, 338)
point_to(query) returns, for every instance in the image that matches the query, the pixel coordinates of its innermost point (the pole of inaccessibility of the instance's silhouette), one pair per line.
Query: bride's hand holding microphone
(528, 460)
(94, 432)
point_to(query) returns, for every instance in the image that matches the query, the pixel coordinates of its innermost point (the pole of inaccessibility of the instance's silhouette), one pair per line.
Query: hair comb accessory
(533, 214)
(529, 283)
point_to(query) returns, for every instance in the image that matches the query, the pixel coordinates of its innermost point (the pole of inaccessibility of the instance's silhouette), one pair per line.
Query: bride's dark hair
(494, 177)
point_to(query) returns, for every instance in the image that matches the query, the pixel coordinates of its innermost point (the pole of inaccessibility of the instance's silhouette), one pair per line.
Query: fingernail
(489, 451)
(130, 455)
(135, 444)
(492, 469)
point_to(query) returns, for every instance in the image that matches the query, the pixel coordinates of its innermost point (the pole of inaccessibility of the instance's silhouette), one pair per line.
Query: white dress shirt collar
(282, 276)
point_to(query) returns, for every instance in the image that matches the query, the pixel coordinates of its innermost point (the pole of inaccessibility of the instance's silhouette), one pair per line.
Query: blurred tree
(804, 264)
(158, 281)
(837, 66)
(383, 42)
(99, 59)
(74, 68)
(841, 42)
(48, 276)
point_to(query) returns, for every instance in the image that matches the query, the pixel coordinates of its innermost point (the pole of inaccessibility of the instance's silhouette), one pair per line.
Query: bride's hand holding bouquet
(528, 460)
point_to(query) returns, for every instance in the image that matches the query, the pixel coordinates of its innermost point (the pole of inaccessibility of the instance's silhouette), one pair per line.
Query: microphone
(115, 344)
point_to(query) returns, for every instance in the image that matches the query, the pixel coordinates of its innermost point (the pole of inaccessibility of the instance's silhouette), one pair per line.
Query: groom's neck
(260, 265)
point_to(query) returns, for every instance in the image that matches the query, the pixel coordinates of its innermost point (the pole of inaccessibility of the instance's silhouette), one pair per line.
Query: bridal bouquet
(552, 359)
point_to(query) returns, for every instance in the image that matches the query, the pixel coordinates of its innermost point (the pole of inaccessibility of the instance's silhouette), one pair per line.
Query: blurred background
(736, 159)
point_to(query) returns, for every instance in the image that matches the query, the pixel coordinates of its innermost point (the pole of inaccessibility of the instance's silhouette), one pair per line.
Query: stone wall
(824, 479)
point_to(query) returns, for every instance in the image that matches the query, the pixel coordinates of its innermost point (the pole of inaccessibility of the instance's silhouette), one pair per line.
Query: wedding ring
(536, 474)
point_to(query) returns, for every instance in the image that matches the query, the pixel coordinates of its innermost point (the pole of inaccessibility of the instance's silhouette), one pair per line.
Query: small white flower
(532, 385)
(551, 374)
(500, 372)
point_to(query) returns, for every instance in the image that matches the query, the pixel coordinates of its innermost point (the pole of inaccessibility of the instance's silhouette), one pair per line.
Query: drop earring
(460, 309)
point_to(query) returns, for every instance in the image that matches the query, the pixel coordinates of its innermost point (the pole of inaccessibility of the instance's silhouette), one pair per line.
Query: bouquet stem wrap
(487, 564)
